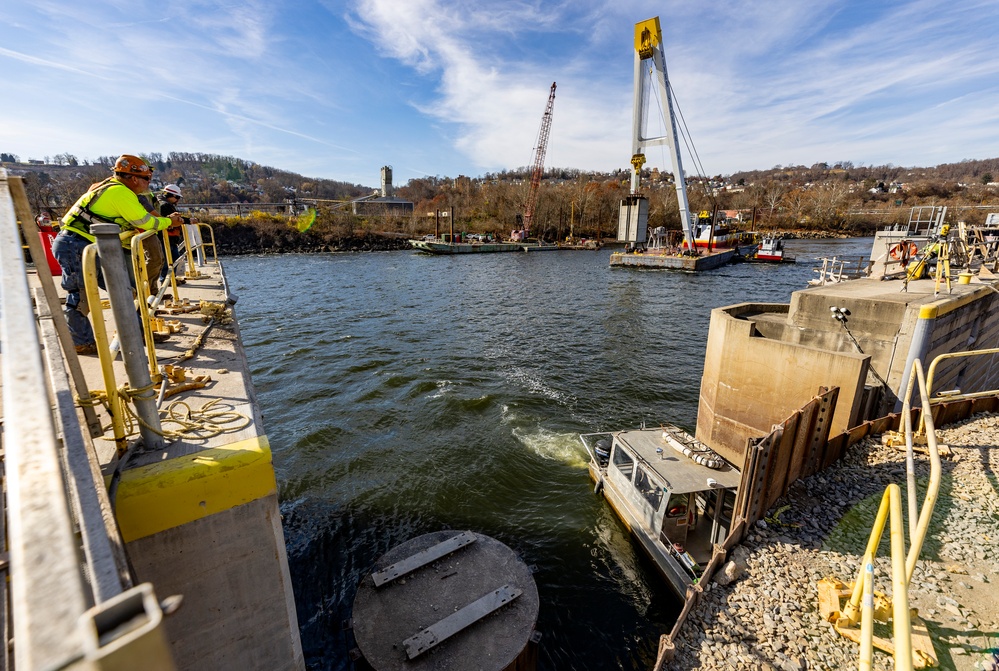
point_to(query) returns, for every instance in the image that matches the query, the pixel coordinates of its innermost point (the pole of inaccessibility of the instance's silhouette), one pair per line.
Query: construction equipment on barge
(538, 168)
(633, 220)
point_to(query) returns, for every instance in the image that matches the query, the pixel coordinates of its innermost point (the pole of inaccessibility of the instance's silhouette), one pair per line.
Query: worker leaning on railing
(115, 200)
(169, 198)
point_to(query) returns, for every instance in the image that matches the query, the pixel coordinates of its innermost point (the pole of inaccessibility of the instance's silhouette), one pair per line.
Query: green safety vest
(111, 202)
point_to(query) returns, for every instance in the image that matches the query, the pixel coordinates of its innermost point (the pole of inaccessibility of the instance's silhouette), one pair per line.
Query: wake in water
(564, 448)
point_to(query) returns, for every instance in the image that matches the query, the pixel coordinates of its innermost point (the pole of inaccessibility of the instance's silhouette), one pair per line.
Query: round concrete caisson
(447, 600)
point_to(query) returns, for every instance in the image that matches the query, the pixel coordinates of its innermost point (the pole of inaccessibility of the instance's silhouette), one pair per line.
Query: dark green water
(405, 393)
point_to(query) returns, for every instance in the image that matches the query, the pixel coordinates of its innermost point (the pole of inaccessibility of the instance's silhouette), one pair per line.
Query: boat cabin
(676, 507)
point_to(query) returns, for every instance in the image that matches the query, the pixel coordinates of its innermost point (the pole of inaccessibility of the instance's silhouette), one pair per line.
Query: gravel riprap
(768, 617)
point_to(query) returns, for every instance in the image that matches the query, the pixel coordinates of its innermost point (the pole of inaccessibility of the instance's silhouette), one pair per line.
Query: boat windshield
(649, 488)
(624, 462)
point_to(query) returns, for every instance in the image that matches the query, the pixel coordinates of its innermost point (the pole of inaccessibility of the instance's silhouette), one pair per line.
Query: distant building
(386, 204)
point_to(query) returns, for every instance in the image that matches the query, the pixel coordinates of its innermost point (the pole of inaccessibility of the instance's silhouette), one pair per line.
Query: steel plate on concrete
(386, 617)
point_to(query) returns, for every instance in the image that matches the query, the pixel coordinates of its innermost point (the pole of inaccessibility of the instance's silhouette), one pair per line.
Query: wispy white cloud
(43, 62)
(776, 83)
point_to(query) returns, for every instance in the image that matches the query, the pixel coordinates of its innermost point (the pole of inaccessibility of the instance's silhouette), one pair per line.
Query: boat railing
(54, 487)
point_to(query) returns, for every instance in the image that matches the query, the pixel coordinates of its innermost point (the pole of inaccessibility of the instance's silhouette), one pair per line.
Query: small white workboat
(674, 494)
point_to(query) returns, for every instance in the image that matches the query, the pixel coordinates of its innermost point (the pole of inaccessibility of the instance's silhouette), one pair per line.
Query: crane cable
(688, 140)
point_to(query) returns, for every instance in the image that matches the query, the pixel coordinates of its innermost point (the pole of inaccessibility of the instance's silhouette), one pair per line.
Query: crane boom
(539, 162)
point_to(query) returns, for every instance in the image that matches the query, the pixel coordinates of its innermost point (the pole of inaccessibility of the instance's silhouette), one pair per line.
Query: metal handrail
(903, 564)
(141, 270)
(189, 248)
(211, 231)
(104, 354)
(48, 593)
(60, 618)
(891, 502)
(956, 355)
(950, 397)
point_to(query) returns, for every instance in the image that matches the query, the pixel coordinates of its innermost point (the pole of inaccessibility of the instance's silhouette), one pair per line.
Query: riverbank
(245, 238)
(768, 617)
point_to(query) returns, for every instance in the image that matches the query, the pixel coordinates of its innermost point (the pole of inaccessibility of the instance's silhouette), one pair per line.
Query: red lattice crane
(539, 162)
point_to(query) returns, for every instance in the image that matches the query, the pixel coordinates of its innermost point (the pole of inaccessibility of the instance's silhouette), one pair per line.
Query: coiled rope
(206, 422)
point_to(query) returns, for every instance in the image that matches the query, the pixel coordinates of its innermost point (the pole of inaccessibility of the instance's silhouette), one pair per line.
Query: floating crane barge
(642, 249)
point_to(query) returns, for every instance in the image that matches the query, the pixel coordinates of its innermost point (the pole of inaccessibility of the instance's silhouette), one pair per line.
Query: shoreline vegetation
(261, 233)
(822, 200)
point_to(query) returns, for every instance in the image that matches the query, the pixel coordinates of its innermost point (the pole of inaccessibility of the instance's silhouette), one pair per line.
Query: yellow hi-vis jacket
(111, 202)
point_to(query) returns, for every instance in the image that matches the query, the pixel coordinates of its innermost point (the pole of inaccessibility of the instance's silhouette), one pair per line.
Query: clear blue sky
(338, 88)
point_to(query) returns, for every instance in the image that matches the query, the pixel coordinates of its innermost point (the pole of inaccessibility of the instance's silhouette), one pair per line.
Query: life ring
(677, 511)
(903, 250)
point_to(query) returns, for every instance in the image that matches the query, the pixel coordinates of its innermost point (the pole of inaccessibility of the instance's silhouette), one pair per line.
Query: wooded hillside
(839, 198)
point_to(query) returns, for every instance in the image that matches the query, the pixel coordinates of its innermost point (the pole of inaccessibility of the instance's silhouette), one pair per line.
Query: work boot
(87, 349)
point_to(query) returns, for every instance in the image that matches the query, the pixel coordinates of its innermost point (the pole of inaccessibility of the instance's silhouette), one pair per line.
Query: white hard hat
(171, 190)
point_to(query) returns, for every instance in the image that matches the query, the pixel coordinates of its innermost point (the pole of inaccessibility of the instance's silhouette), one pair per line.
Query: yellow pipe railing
(931, 374)
(168, 253)
(956, 355)
(104, 354)
(211, 232)
(142, 290)
(917, 534)
(860, 607)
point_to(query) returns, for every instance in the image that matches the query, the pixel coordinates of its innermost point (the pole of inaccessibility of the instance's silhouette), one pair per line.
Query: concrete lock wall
(751, 382)
(878, 324)
(207, 526)
(764, 361)
(962, 324)
(235, 590)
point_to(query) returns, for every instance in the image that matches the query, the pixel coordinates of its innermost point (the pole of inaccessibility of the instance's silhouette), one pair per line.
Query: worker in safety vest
(152, 245)
(169, 198)
(115, 200)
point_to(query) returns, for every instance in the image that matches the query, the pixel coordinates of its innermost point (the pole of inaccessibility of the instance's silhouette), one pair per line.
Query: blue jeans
(67, 249)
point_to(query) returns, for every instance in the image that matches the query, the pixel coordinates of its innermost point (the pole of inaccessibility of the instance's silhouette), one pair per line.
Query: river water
(405, 393)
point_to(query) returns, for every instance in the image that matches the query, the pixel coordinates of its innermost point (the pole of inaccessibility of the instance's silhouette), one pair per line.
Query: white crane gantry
(634, 217)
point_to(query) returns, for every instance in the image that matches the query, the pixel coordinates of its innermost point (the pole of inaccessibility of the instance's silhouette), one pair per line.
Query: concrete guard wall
(238, 610)
(879, 325)
(965, 324)
(750, 381)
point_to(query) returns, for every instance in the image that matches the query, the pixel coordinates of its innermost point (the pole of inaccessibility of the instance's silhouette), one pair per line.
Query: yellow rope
(195, 425)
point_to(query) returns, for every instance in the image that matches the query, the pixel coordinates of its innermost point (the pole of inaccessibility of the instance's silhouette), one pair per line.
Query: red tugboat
(770, 250)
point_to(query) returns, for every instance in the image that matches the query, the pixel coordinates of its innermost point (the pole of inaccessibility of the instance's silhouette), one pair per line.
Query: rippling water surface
(405, 393)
